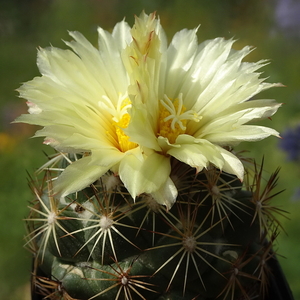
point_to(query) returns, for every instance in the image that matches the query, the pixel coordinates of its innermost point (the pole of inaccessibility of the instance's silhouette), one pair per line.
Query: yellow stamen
(173, 118)
(120, 120)
(123, 139)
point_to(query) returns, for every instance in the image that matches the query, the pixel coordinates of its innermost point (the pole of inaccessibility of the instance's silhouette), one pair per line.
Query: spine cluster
(214, 243)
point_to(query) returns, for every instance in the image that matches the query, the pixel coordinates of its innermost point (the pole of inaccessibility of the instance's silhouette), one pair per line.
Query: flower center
(173, 118)
(123, 139)
(120, 120)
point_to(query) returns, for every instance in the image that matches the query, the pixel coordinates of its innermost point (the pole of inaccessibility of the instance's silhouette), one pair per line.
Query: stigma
(173, 118)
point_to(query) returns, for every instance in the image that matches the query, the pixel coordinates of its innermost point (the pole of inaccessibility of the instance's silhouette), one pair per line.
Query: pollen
(123, 139)
(120, 120)
(173, 118)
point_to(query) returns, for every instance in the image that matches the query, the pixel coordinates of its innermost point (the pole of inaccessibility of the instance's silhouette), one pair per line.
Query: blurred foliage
(28, 24)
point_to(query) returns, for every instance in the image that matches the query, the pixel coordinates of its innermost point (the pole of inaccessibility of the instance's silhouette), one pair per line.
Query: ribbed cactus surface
(214, 243)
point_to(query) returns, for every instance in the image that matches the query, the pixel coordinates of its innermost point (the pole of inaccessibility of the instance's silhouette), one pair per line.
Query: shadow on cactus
(100, 244)
(145, 197)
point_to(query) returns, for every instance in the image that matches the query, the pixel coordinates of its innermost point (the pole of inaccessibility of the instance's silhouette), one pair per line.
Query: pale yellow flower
(135, 102)
(81, 100)
(194, 99)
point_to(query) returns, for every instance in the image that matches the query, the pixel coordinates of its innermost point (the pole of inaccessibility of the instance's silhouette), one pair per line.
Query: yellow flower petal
(77, 176)
(144, 176)
(136, 102)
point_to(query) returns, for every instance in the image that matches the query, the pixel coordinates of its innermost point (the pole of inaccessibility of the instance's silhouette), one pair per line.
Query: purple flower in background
(290, 143)
(287, 18)
(296, 195)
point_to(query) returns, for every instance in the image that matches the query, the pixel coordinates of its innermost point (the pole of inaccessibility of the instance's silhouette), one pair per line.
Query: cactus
(170, 215)
(100, 244)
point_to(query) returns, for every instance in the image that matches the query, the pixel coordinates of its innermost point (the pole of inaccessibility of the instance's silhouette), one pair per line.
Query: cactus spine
(100, 244)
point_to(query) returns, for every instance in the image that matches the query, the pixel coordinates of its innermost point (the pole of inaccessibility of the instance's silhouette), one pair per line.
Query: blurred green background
(273, 27)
